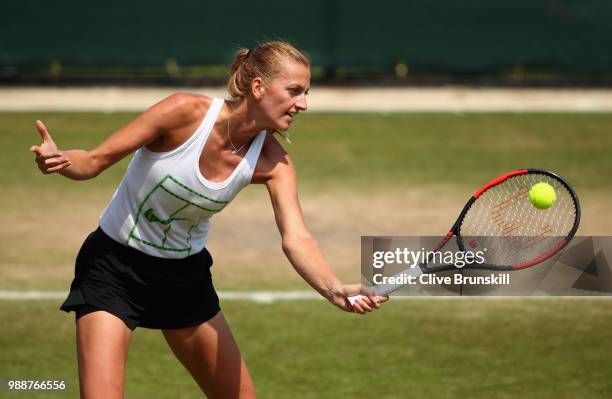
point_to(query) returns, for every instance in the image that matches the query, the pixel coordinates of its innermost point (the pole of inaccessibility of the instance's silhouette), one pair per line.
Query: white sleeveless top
(163, 205)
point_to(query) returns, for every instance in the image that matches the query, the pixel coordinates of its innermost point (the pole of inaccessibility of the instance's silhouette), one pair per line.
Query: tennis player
(147, 265)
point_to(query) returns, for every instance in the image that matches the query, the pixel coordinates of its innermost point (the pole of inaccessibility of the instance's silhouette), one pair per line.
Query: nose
(301, 103)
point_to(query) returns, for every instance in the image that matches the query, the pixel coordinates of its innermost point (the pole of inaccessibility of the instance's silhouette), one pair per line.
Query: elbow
(288, 247)
(291, 245)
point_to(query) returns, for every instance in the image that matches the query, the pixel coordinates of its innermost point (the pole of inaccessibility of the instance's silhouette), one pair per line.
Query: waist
(137, 257)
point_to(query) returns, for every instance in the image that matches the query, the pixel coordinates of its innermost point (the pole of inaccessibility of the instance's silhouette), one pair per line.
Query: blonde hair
(265, 61)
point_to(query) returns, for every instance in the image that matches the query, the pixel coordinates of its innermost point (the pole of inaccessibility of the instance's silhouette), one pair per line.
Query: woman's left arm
(278, 173)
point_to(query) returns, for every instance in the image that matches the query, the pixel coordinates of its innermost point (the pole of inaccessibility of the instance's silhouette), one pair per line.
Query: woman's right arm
(164, 117)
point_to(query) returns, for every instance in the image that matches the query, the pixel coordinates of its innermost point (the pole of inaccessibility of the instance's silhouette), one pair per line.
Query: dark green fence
(437, 36)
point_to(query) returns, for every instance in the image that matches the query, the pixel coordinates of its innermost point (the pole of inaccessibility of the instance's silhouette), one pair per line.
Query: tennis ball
(542, 195)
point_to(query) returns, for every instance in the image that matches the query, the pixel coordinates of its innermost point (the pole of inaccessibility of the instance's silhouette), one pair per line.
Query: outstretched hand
(48, 158)
(367, 302)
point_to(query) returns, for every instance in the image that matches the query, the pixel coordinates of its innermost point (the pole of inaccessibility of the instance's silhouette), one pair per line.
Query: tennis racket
(500, 217)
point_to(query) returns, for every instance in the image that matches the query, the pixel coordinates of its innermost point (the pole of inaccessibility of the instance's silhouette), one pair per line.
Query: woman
(146, 265)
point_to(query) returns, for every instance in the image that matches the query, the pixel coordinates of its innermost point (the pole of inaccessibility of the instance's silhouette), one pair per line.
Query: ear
(258, 88)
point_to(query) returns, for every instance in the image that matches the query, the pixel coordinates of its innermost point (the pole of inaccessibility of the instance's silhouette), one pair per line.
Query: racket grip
(383, 290)
(354, 298)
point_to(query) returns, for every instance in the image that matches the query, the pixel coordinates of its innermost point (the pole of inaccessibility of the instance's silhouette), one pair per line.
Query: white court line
(274, 296)
(254, 296)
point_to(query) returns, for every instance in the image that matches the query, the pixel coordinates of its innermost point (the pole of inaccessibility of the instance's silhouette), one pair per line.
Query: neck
(243, 121)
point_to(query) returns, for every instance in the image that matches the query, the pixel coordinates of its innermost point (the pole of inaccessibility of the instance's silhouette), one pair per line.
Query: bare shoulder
(273, 161)
(181, 109)
(189, 99)
(176, 117)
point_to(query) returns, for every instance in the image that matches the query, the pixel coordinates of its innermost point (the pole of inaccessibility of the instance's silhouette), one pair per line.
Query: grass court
(359, 174)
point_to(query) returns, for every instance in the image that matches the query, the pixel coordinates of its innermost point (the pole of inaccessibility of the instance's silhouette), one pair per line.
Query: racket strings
(504, 221)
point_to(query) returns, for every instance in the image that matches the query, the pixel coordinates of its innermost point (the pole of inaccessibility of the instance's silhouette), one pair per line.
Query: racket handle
(382, 291)
(354, 298)
(387, 289)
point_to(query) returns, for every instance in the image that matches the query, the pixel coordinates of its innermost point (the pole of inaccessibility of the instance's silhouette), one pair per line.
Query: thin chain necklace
(234, 149)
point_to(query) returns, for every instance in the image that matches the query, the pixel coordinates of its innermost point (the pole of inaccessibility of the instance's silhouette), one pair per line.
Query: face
(284, 97)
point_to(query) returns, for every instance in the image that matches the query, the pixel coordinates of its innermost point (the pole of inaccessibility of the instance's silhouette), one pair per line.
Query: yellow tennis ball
(542, 195)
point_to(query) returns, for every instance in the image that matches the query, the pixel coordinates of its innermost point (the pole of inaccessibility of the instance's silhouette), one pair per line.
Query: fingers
(57, 168)
(377, 299)
(42, 129)
(41, 155)
(50, 162)
(46, 158)
(363, 304)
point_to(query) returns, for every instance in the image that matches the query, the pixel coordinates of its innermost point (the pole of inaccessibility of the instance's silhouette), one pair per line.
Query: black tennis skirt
(142, 290)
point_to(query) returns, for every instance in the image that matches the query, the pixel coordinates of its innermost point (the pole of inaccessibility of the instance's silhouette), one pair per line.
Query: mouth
(290, 114)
